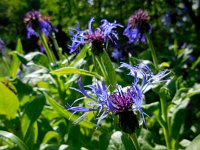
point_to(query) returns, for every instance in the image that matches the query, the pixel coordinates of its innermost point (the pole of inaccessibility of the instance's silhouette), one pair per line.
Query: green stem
(60, 88)
(194, 65)
(55, 43)
(166, 127)
(153, 53)
(50, 55)
(102, 69)
(135, 141)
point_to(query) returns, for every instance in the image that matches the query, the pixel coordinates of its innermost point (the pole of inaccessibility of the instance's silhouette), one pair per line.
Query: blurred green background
(175, 35)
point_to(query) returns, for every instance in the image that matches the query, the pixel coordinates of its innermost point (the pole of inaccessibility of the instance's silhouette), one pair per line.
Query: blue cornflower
(116, 54)
(97, 37)
(122, 101)
(35, 23)
(138, 25)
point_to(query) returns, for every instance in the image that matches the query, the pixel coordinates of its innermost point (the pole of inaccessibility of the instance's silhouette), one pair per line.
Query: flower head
(116, 54)
(35, 23)
(138, 25)
(97, 37)
(122, 101)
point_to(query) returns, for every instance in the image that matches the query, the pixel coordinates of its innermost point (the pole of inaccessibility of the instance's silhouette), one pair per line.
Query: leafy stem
(166, 126)
(135, 140)
(50, 55)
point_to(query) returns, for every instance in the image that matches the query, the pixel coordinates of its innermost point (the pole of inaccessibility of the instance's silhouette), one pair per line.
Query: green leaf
(111, 74)
(34, 58)
(150, 108)
(32, 135)
(178, 113)
(9, 102)
(164, 65)
(22, 58)
(39, 59)
(49, 146)
(194, 65)
(180, 95)
(146, 139)
(178, 118)
(71, 70)
(63, 112)
(195, 144)
(195, 90)
(116, 141)
(160, 147)
(104, 66)
(50, 135)
(80, 58)
(15, 60)
(4, 135)
(31, 113)
(185, 143)
(23, 91)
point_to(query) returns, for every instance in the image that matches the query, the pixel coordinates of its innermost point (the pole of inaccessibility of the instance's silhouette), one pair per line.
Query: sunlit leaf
(66, 114)
(50, 135)
(71, 70)
(80, 57)
(116, 140)
(104, 66)
(9, 102)
(32, 135)
(15, 60)
(195, 144)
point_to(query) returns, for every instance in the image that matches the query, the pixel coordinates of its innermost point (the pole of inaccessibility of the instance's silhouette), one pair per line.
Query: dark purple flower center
(94, 36)
(140, 20)
(122, 102)
(33, 17)
(97, 39)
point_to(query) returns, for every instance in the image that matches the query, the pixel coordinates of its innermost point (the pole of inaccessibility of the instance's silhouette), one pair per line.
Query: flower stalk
(153, 53)
(134, 139)
(166, 127)
(55, 43)
(50, 55)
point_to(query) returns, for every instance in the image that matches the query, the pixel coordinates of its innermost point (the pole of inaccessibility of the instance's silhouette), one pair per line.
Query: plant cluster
(97, 96)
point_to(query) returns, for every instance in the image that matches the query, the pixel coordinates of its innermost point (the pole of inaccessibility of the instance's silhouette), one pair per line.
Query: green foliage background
(33, 104)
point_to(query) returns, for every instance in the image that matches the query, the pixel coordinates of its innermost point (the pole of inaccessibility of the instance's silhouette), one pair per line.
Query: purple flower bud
(138, 25)
(36, 23)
